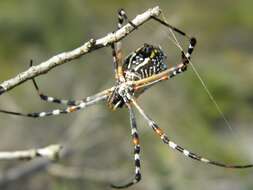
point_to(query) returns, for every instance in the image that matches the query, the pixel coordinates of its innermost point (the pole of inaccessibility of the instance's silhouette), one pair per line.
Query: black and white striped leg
(117, 47)
(182, 67)
(173, 145)
(178, 68)
(192, 44)
(185, 59)
(83, 104)
(121, 17)
(136, 143)
(52, 99)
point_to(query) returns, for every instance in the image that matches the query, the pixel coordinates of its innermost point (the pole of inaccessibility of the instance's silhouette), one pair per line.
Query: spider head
(144, 62)
(120, 95)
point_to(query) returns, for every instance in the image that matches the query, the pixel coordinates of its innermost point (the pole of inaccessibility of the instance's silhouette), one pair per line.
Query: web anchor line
(204, 85)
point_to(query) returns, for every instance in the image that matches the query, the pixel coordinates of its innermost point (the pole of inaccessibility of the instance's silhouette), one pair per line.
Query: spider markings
(144, 62)
(128, 88)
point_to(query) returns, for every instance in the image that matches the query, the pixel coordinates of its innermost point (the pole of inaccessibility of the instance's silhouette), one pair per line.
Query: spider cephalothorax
(118, 96)
(140, 70)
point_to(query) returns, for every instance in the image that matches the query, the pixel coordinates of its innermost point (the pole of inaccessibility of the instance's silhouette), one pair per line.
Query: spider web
(175, 41)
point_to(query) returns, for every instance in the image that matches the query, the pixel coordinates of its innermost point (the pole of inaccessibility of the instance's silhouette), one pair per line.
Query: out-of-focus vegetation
(40, 29)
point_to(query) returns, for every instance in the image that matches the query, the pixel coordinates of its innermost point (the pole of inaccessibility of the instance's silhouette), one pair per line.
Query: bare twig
(51, 152)
(89, 46)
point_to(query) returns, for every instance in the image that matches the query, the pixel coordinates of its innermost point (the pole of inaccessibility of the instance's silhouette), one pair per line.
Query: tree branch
(89, 46)
(51, 152)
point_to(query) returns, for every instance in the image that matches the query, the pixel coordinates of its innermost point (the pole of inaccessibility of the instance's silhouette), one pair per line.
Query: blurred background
(97, 140)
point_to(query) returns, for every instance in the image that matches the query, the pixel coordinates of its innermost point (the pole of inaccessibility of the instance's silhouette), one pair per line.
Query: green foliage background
(37, 30)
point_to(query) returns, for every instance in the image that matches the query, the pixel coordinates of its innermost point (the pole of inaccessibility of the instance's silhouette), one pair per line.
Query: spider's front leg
(136, 143)
(170, 72)
(192, 40)
(182, 150)
(117, 47)
(83, 104)
(185, 58)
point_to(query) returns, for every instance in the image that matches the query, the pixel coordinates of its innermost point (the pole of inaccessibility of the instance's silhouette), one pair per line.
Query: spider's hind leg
(182, 150)
(136, 143)
(54, 99)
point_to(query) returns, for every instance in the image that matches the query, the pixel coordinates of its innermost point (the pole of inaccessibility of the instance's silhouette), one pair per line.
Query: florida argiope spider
(136, 73)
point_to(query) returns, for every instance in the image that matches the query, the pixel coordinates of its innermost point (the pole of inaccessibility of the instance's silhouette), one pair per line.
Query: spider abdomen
(144, 62)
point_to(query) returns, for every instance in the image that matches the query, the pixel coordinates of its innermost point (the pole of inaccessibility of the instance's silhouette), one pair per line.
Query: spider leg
(136, 143)
(117, 47)
(185, 58)
(115, 61)
(171, 27)
(52, 99)
(170, 72)
(121, 17)
(83, 104)
(173, 145)
(192, 40)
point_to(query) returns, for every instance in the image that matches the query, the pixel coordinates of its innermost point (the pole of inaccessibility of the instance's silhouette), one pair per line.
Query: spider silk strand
(211, 97)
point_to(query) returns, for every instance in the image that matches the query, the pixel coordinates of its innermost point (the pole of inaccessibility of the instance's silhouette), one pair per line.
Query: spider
(135, 74)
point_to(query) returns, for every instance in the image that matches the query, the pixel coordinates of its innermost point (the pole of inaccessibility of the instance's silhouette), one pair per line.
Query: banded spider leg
(173, 71)
(117, 47)
(173, 145)
(88, 101)
(50, 98)
(137, 149)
